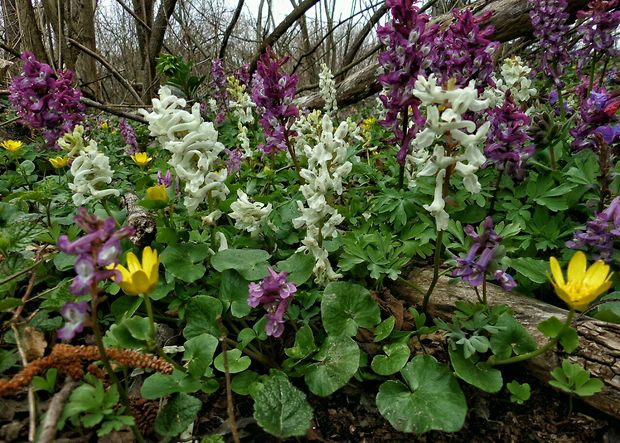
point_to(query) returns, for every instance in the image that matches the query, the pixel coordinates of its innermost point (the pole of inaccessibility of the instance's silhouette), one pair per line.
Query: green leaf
(519, 392)
(396, 357)
(385, 328)
(9, 303)
(338, 360)
(304, 344)
(551, 327)
(480, 375)
(569, 339)
(160, 385)
(234, 291)
(177, 415)
(511, 338)
(236, 362)
(346, 307)
(432, 400)
(7, 359)
(531, 268)
(184, 261)
(201, 314)
(199, 353)
(574, 379)
(299, 267)
(245, 337)
(250, 263)
(281, 409)
(130, 333)
(243, 383)
(590, 387)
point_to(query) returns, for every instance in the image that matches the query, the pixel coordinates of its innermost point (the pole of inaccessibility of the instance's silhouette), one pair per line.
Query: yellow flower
(583, 284)
(141, 159)
(59, 162)
(12, 145)
(157, 193)
(104, 125)
(140, 278)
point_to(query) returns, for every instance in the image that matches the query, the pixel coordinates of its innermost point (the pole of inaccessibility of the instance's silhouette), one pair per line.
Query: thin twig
(112, 110)
(230, 406)
(48, 433)
(32, 405)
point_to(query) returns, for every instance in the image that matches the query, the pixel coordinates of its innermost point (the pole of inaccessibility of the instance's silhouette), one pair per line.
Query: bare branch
(229, 29)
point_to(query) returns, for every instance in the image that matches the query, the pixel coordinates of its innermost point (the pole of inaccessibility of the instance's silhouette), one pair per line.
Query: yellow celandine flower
(158, 193)
(12, 145)
(139, 278)
(141, 158)
(583, 285)
(104, 125)
(59, 162)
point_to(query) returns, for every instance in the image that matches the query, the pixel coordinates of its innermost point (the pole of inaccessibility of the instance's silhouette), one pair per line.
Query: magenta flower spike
(600, 233)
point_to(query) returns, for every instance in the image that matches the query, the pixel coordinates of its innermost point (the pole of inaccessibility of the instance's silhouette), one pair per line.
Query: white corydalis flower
(248, 216)
(194, 147)
(91, 174)
(327, 88)
(446, 131)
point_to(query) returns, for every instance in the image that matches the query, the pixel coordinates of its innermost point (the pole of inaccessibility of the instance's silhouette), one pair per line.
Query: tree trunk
(85, 66)
(599, 341)
(11, 24)
(31, 35)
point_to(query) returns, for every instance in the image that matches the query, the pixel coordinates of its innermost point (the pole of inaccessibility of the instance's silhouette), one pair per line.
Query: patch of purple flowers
(549, 22)
(464, 52)
(164, 179)
(507, 141)
(97, 249)
(233, 162)
(129, 135)
(220, 94)
(274, 293)
(409, 44)
(75, 315)
(273, 92)
(597, 114)
(600, 233)
(44, 99)
(597, 32)
(478, 261)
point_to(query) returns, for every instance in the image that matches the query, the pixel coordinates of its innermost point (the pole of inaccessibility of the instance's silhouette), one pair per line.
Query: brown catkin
(69, 360)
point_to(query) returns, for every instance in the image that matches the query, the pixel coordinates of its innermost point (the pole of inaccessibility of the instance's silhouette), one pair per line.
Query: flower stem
(436, 263)
(108, 367)
(528, 355)
(152, 341)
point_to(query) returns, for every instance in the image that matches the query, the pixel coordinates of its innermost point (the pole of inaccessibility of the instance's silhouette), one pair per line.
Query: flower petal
(556, 271)
(597, 274)
(577, 267)
(132, 263)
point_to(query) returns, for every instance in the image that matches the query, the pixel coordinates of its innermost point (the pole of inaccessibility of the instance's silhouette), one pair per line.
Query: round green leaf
(177, 415)
(338, 360)
(199, 353)
(480, 375)
(396, 357)
(236, 362)
(281, 409)
(201, 315)
(184, 261)
(432, 401)
(250, 263)
(347, 306)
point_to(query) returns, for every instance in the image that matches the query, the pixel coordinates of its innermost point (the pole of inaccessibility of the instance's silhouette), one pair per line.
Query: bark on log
(140, 219)
(599, 341)
(510, 18)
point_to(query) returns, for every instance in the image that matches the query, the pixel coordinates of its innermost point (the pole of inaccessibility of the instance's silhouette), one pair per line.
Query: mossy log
(599, 341)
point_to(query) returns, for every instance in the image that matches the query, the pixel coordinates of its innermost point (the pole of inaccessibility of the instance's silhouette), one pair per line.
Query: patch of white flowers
(456, 143)
(91, 174)
(327, 166)
(240, 104)
(248, 216)
(308, 129)
(194, 147)
(327, 88)
(515, 76)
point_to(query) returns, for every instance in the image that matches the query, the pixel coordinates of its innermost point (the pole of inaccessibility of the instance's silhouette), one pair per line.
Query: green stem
(528, 355)
(106, 363)
(484, 290)
(104, 203)
(152, 341)
(401, 173)
(496, 189)
(436, 263)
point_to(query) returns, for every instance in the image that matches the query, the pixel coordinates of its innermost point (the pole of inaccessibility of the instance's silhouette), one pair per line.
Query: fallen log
(599, 341)
(510, 18)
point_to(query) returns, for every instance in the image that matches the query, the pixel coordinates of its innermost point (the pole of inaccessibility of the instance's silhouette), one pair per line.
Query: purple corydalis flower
(97, 249)
(549, 22)
(220, 94)
(481, 257)
(507, 140)
(233, 162)
(274, 293)
(464, 52)
(600, 233)
(75, 315)
(595, 111)
(164, 179)
(409, 44)
(129, 135)
(597, 32)
(44, 99)
(273, 91)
